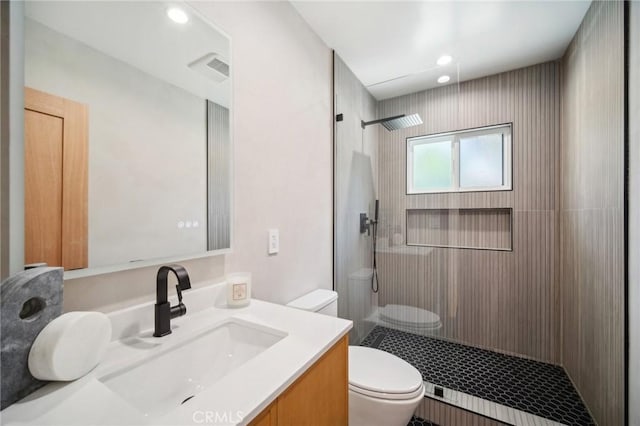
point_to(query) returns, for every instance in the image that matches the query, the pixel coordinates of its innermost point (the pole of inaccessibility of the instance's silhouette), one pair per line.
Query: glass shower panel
(355, 177)
(408, 288)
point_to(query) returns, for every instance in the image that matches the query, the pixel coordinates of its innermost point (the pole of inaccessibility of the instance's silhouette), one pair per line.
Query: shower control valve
(365, 224)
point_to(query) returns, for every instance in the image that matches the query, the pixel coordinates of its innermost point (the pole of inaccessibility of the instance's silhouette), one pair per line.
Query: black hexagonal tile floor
(417, 421)
(532, 386)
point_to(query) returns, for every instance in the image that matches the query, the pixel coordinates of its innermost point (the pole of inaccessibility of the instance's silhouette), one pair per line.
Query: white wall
(282, 146)
(282, 163)
(147, 149)
(634, 215)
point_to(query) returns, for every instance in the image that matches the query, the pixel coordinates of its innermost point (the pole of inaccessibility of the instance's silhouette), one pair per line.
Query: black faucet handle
(178, 310)
(184, 283)
(179, 293)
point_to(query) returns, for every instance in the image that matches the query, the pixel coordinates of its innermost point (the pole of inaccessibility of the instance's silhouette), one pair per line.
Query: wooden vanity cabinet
(319, 397)
(268, 417)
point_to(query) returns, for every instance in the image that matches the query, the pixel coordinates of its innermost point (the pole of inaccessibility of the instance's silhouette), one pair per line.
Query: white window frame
(454, 137)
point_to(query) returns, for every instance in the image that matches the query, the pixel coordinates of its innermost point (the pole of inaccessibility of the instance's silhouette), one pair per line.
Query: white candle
(238, 289)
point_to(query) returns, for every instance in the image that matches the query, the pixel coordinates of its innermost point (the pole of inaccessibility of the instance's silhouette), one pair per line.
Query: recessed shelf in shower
(471, 228)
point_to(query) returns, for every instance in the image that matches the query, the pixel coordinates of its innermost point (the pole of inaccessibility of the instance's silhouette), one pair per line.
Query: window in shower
(468, 160)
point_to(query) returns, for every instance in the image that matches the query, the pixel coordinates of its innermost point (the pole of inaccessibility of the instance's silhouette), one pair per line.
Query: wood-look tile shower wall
(504, 300)
(444, 414)
(592, 216)
(449, 228)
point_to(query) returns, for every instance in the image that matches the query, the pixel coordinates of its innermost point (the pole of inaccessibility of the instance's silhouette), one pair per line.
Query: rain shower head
(395, 123)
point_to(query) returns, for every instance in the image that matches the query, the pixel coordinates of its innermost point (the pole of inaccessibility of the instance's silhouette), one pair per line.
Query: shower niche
(469, 228)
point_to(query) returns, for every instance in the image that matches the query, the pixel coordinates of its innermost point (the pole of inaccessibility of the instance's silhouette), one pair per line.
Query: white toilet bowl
(410, 319)
(384, 390)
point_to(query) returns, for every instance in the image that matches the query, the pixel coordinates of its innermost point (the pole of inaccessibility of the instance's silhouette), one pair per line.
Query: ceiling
(392, 46)
(141, 35)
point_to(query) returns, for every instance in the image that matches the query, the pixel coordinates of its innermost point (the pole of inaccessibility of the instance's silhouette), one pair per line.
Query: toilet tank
(321, 301)
(360, 304)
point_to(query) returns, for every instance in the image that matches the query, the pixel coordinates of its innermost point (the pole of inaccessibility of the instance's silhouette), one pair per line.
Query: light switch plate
(274, 241)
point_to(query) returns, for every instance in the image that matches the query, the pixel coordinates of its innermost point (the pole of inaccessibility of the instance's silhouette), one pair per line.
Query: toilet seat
(410, 316)
(387, 396)
(381, 375)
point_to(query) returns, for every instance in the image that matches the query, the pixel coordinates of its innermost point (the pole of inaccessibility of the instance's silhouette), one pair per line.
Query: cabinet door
(268, 416)
(320, 397)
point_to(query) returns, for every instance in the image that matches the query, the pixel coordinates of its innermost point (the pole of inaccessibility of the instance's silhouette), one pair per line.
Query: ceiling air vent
(212, 66)
(218, 65)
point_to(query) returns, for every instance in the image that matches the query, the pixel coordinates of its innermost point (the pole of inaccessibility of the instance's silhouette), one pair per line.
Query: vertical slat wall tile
(499, 300)
(591, 215)
(447, 415)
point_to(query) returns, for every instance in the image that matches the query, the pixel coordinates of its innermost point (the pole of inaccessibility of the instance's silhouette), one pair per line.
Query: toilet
(384, 390)
(409, 318)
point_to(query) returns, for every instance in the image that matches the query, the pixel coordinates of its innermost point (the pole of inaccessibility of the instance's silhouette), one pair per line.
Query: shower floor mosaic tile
(417, 421)
(531, 386)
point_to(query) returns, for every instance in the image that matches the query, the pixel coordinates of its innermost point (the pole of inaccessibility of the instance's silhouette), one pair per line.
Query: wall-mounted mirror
(127, 134)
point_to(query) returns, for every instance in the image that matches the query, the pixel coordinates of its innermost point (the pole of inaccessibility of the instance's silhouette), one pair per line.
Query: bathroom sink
(164, 381)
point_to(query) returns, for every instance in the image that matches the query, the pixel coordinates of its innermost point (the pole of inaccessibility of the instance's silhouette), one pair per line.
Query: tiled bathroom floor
(531, 386)
(417, 421)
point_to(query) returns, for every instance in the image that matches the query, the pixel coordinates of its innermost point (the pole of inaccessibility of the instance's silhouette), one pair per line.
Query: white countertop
(234, 399)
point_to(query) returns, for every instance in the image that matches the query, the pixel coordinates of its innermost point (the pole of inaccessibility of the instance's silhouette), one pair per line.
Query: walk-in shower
(447, 277)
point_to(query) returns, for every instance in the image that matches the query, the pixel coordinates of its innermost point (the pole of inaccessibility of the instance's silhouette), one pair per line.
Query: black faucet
(164, 312)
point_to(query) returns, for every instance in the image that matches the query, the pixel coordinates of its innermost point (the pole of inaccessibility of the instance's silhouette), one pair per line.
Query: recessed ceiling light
(443, 79)
(177, 15)
(444, 60)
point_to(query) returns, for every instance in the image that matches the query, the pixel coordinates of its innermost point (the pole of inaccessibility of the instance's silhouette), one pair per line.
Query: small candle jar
(238, 289)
